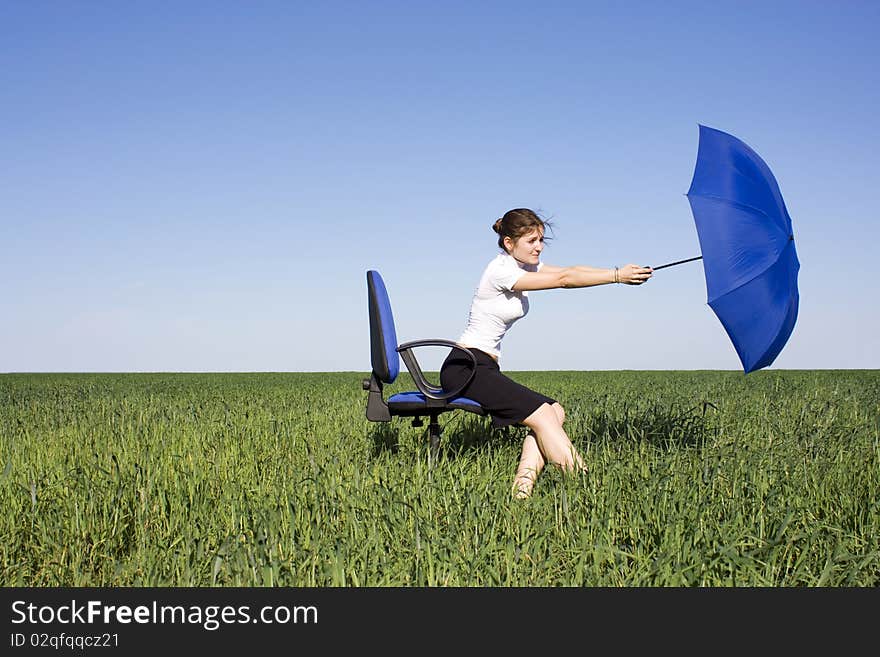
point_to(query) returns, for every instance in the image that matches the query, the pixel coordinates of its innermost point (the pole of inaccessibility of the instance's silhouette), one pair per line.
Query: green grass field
(695, 479)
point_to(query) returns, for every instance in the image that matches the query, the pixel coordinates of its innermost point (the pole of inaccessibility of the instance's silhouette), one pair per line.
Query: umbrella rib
(746, 282)
(721, 199)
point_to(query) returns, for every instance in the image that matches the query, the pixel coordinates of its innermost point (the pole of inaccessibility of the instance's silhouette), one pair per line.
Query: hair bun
(497, 225)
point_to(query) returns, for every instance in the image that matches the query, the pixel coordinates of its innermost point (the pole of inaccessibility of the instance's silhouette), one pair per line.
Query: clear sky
(201, 186)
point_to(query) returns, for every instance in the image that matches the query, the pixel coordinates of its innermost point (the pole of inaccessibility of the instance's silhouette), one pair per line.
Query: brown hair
(516, 223)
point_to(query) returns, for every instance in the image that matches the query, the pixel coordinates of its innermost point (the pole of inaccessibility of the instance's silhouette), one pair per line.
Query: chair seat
(410, 403)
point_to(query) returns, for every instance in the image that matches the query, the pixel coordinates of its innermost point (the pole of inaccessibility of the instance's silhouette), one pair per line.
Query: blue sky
(201, 186)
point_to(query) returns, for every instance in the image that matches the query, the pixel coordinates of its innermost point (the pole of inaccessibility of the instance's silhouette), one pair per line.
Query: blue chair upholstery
(429, 400)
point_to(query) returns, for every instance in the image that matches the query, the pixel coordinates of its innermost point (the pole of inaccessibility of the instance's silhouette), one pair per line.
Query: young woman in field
(501, 298)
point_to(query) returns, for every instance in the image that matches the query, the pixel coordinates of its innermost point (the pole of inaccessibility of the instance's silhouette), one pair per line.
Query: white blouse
(496, 305)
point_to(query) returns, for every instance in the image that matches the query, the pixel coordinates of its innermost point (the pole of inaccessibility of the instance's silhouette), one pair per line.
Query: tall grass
(695, 479)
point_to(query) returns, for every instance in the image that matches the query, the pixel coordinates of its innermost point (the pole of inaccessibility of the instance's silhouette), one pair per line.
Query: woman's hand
(634, 274)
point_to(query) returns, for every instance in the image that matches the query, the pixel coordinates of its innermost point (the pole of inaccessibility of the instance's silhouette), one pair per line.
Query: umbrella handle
(679, 262)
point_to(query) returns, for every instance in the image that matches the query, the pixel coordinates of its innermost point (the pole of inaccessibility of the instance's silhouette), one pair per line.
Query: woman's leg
(534, 457)
(531, 462)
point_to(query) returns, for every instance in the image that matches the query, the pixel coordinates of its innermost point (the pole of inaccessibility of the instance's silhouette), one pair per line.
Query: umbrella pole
(679, 262)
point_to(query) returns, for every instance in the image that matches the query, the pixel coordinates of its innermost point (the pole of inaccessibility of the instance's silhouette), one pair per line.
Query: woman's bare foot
(522, 487)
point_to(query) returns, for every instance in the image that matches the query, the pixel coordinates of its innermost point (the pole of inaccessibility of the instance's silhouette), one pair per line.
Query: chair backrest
(383, 337)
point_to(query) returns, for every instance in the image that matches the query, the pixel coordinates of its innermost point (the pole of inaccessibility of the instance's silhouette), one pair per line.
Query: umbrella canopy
(747, 246)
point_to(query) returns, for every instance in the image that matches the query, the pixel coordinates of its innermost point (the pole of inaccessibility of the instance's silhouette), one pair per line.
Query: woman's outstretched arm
(551, 277)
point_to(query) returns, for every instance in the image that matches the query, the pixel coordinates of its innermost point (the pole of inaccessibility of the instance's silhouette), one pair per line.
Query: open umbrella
(747, 246)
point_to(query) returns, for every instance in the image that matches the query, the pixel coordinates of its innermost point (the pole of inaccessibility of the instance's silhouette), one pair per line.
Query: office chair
(429, 400)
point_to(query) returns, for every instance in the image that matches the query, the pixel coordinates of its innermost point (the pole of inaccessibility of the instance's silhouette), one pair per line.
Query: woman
(501, 298)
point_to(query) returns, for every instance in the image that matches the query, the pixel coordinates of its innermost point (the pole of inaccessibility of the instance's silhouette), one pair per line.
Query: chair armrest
(412, 364)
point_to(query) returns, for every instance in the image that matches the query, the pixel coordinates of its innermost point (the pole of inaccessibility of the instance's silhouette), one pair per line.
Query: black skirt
(507, 401)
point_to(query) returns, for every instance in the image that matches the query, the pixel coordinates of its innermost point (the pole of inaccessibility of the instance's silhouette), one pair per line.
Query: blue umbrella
(747, 246)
